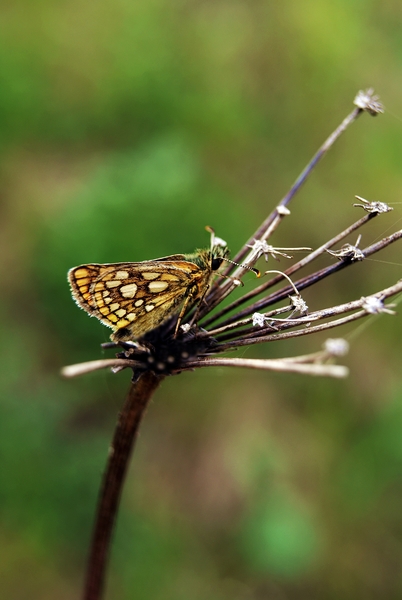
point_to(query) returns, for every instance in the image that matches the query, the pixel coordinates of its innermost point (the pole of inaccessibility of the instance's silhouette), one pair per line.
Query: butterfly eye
(216, 263)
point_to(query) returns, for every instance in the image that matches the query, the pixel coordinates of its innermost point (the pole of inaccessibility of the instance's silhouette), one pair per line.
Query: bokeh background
(125, 128)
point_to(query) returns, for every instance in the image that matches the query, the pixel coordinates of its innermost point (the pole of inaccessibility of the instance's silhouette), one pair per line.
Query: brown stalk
(138, 397)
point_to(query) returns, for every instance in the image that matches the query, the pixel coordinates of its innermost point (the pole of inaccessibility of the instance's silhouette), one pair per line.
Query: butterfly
(134, 298)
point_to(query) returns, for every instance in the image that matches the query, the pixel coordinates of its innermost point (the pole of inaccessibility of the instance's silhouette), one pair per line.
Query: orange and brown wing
(134, 296)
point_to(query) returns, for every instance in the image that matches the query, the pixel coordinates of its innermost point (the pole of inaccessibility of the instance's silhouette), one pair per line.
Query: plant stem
(127, 426)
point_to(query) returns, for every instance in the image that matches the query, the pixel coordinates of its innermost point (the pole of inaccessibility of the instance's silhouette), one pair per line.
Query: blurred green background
(125, 128)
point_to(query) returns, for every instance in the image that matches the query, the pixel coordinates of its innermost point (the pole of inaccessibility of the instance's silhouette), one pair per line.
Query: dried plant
(207, 334)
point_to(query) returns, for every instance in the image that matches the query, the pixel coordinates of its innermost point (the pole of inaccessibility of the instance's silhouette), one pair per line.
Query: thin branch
(219, 291)
(307, 281)
(272, 365)
(290, 270)
(126, 430)
(228, 332)
(248, 341)
(95, 365)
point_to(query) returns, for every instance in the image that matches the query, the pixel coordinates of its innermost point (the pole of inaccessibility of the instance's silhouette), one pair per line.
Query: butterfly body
(135, 297)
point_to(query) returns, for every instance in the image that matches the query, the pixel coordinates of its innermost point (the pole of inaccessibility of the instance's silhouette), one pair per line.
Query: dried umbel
(164, 312)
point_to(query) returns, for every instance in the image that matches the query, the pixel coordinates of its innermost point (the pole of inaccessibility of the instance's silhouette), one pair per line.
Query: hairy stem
(127, 426)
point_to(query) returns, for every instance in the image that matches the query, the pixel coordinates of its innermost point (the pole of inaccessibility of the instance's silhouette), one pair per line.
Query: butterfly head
(218, 254)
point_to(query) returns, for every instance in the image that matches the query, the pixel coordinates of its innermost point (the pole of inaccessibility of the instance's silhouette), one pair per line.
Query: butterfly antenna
(256, 271)
(213, 243)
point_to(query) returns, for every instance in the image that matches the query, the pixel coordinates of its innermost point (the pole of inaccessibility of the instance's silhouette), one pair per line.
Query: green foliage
(126, 127)
(279, 539)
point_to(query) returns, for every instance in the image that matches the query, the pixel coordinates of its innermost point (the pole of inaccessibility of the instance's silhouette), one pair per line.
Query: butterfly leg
(187, 302)
(197, 310)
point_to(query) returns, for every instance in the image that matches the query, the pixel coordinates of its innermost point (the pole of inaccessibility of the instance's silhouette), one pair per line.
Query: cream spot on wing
(108, 299)
(149, 307)
(169, 277)
(121, 275)
(138, 302)
(121, 312)
(122, 323)
(113, 283)
(131, 316)
(81, 273)
(157, 286)
(106, 293)
(150, 276)
(129, 290)
(114, 306)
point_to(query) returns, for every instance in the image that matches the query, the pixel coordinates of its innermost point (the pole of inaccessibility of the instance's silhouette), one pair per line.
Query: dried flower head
(168, 310)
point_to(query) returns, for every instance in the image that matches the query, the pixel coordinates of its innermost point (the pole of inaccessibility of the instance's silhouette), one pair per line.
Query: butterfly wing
(135, 296)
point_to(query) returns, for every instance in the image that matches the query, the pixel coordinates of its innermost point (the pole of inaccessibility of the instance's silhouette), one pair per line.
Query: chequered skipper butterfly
(134, 298)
